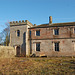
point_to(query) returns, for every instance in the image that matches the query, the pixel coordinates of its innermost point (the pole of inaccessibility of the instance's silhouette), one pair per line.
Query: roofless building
(52, 39)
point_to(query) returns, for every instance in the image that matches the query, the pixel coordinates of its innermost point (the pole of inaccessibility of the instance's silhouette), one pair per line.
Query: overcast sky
(36, 11)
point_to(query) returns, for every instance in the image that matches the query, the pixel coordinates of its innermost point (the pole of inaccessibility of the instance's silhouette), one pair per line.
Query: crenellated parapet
(23, 22)
(29, 23)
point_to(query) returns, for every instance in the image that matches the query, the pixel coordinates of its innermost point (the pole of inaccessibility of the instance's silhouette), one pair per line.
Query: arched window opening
(18, 33)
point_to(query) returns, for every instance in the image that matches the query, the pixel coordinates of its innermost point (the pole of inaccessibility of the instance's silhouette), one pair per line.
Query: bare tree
(5, 35)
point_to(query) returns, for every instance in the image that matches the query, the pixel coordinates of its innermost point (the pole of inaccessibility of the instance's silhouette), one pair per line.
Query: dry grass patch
(37, 66)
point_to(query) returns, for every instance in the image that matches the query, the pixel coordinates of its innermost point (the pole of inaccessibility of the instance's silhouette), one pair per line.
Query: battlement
(26, 22)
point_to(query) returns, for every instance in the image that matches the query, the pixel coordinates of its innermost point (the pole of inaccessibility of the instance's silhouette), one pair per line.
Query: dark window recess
(30, 34)
(56, 31)
(37, 46)
(74, 30)
(18, 33)
(56, 46)
(38, 33)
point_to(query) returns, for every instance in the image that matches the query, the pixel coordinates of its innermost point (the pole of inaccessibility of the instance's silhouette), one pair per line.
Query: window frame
(37, 33)
(39, 46)
(18, 33)
(56, 31)
(56, 46)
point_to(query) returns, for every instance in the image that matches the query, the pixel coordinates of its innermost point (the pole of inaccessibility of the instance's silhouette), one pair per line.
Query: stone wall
(7, 52)
(22, 40)
(13, 34)
(66, 47)
(66, 39)
(47, 33)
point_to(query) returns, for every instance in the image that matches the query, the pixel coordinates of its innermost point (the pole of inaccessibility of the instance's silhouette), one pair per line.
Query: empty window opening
(56, 31)
(56, 46)
(38, 33)
(74, 30)
(18, 33)
(30, 33)
(37, 46)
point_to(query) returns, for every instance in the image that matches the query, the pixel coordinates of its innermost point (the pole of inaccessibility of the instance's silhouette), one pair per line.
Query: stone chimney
(50, 19)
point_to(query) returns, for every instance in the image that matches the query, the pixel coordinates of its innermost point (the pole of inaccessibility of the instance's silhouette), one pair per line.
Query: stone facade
(22, 41)
(62, 34)
(66, 39)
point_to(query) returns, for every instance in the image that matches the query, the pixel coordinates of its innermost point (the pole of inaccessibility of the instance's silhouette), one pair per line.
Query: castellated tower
(19, 35)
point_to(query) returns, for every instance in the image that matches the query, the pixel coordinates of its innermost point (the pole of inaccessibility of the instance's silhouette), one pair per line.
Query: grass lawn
(37, 66)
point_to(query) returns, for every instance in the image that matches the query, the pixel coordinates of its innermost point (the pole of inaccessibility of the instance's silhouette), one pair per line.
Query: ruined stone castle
(52, 39)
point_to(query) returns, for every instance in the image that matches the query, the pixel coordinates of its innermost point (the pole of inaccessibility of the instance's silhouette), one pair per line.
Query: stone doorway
(18, 50)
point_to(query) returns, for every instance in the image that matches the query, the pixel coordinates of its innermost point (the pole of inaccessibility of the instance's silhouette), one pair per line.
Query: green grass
(37, 66)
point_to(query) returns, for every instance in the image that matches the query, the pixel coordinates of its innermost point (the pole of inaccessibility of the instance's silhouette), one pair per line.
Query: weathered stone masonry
(54, 39)
(21, 41)
(65, 38)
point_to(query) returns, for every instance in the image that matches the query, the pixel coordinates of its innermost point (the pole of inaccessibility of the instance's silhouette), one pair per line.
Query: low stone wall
(7, 52)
